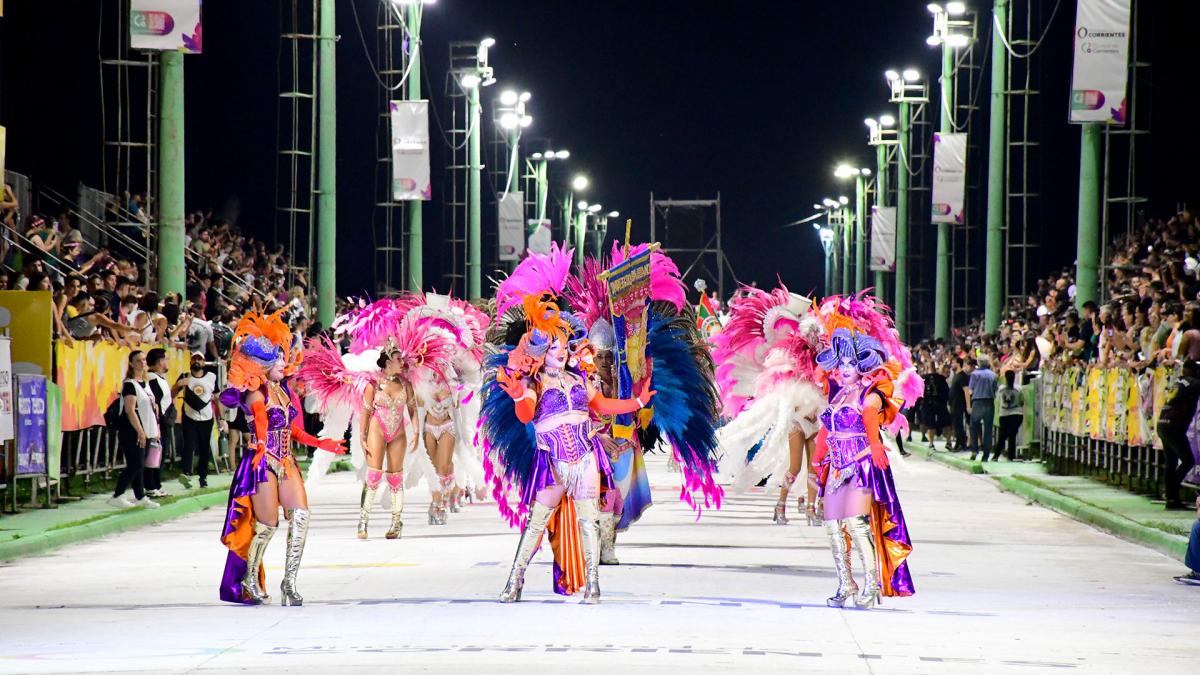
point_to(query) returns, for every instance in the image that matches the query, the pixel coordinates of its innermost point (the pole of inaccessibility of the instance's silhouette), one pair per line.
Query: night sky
(758, 101)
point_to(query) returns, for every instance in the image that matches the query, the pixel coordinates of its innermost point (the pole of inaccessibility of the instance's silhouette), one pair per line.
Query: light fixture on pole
(541, 176)
(861, 177)
(826, 236)
(471, 79)
(510, 114)
(906, 90)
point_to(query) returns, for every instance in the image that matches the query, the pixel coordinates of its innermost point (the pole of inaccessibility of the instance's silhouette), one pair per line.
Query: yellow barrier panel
(91, 373)
(29, 318)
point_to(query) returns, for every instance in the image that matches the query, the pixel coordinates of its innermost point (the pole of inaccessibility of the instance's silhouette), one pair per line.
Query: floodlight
(487, 43)
(562, 154)
(871, 122)
(957, 40)
(911, 75)
(538, 155)
(891, 75)
(525, 96)
(508, 97)
(470, 80)
(886, 120)
(613, 214)
(955, 8)
(509, 120)
(826, 235)
(844, 200)
(579, 182)
(933, 40)
(526, 121)
(582, 206)
(933, 8)
(593, 208)
(866, 172)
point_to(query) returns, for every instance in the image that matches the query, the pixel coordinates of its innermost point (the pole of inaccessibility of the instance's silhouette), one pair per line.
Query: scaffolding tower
(1123, 196)
(966, 244)
(922, 238)
(1022, 165)
(129, 122)
(463, 59)
(692, 229)
(296, 137)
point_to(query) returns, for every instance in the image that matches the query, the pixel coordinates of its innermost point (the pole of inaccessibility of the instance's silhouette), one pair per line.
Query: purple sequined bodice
(843, 420)
(847, 434)
(277, 419)
(554, 401)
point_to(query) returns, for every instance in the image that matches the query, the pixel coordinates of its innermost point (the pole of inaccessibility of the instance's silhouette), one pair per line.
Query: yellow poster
(91, 373)
(1161, 378)
(28, 317)
(3, 131)
(1077, 401)
(1136, 425)
(1095, 402)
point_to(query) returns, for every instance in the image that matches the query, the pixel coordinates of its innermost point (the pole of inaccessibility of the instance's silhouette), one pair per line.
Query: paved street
(1002, 587)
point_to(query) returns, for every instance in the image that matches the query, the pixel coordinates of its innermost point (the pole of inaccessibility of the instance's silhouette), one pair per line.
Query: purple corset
(843, 420)
(568, 442)
(554, 401)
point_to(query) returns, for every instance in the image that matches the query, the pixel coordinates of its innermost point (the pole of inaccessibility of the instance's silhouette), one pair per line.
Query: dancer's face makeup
(556, 356)
(847, 370)
(276, 372)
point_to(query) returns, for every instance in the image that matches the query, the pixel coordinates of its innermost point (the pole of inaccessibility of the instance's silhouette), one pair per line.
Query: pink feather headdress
(587, 293)
(535, 275)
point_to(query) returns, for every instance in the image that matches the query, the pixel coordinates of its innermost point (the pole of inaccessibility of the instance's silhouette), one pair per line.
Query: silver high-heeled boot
(841, 564)
(608, 538)
(863, 541)
(396, 488)
(588, 513)
(531, 536)
(367, 501)
(258, 545)
(297, 535)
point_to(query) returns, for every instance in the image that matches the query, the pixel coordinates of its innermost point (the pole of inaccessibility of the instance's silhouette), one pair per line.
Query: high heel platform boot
(297, 535)
(608, 538)
(780, 516)
(396, 488)
(589, 534)
(258, 545)
(841, 564)
(367, 501)
(863, 541)
(531, 536)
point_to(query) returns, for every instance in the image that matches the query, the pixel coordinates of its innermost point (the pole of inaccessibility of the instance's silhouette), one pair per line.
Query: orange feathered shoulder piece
(259, 342)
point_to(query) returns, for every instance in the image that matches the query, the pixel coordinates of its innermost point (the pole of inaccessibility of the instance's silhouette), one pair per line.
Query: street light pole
(994, 291)
(1087, 251)
(416, 232)
(474, 199)
(860, 244)
(327, 167)
(881, 190)
(901, 303)
(826, 235)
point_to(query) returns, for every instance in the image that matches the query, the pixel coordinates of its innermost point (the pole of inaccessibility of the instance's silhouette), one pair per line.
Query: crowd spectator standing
(981, 394)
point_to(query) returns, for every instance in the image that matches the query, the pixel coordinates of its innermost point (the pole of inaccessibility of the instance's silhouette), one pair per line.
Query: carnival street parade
(392, 394)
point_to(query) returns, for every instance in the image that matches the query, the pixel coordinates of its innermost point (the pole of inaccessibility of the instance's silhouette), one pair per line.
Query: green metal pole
(847, 237)
(994, 290)
(941, 297)
(829, 290)
(860, 228)
(171, 275)
(416, 232)
(835, 252)
(541, 190)
(881, 189)
(474, 203)
(901, 302)
(1087, 252)
(580, 234)
(327, 168)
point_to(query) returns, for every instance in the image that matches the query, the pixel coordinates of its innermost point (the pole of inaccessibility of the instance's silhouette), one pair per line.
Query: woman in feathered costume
(267, 476)
(409, 351)
(767, 375)
(871, 379)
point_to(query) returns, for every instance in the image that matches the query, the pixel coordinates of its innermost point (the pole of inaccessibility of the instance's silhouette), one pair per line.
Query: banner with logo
(949, 177)
(883, 239)
(28, 316)
(91, 374)
(165, 25)
(540, 236)
(1101, 66)
(7, 419)
(410, 151)
(511, 221)
(31, 425)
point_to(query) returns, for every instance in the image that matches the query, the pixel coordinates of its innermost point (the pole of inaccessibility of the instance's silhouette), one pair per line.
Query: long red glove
(524, 403)
(822, 448)
(615, 406)
(871, 424)
(258, 410)
(336, 446)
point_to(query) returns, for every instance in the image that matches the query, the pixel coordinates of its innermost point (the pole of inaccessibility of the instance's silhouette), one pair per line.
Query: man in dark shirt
(1087, 331)
(958, 402)
(1177, 414)
(981, 396)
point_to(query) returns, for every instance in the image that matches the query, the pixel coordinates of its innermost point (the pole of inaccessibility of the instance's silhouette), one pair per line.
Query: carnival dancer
(537, 423)
(767, 376)
(870, 378)
(267, 476)
(440, 437)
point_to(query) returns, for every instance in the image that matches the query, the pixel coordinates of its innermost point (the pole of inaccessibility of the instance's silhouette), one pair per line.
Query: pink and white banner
(883, 239)
(1101, 61)
(949, 177)
(511, 221)
(410, 151)
(165, 25)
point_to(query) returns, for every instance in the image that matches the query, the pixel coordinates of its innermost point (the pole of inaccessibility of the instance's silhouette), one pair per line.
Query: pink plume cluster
(326, 375)
(665, 282)
(587, 293)
(874, 318)
(370, 326)
(422, 348)
(741, 338)
(536, 274)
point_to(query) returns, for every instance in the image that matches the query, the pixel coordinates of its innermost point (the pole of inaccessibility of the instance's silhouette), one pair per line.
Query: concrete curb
(1171, 544)
(949, 459)
(119, 522)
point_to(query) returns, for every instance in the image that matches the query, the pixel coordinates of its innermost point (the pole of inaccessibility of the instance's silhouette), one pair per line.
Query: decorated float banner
(628, 297)
(91, 374)
(27, 316)
(31, 425)
(949, 177)
(1101, 66)
(165, 25)
(883, 239)
(7, 412)
(410, 151)
(510, 220)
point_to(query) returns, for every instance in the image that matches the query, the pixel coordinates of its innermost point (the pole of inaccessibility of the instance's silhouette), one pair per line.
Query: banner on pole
(540, 236)
(511, 221)
(165, 25)
(31, 425)
(6, 390)
(883, 239)
(949, 177)
(628, 296)
(410, 151)
(1101, 65)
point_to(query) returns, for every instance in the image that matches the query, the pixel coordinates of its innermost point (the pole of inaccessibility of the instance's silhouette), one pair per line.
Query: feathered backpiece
(535, 275)
(422, 350)
(259, 342)
(509, 445)
(337, 379)
(370, 326)
(686, 405)
(587, 293)
(862, 325)
(665, 282)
